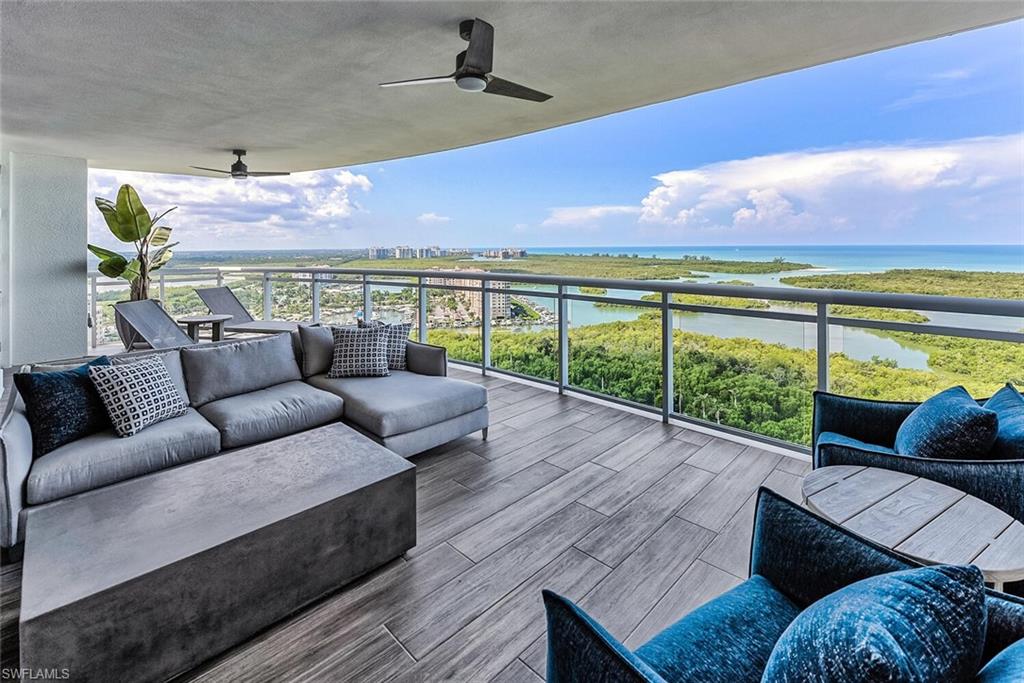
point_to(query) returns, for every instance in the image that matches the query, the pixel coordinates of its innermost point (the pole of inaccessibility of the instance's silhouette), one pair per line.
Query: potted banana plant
(130, 222)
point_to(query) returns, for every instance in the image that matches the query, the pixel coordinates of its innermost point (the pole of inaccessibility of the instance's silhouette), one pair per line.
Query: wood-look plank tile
(624, 531)
(699, 584)
(462, 511)
(526, 405)
(492, 641)
(693, 436)
(449, 467)
(486, 536)
(517, 672)
(621, 600)
(493, 449)
(792, 465)
(497, 469)
(617, 491)
(717, 502)
(427, 622)
(376, 656)
(715, 455)
(599, 442)
(536, 656)
(602, 418)
(632, 449)
(730, 551)
(437, 493)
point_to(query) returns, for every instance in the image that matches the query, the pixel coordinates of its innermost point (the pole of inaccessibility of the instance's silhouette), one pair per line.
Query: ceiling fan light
(471, 82)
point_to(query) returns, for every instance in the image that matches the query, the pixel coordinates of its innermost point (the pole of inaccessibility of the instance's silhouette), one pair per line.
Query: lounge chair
(222, 300)
(145, 324)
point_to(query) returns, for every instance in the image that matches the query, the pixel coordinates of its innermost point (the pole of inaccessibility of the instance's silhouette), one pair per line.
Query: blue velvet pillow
(1005, 667)
(61, 406)
(1008, 405)
(949, 425)
(916, 625)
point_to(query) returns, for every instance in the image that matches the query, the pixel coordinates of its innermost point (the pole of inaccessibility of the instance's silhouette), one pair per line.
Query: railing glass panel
(524, 330)
(454, 322)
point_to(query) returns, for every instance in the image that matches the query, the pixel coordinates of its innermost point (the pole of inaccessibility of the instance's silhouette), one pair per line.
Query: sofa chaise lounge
(241, 393)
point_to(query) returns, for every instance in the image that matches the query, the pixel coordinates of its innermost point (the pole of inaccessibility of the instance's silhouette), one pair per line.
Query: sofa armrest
(426, 359)
(997, 482)
(870, 421)
(15, 463)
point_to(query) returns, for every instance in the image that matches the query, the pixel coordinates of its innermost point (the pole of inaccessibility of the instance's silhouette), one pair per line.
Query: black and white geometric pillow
(359, 352)
(398, 335)
(138, 394)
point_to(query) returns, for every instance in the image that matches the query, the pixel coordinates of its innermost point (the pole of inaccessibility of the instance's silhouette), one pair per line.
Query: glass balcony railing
(735, 358)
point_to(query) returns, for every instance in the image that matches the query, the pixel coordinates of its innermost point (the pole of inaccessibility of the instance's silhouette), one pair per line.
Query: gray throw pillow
(359, 352)
(138, 394)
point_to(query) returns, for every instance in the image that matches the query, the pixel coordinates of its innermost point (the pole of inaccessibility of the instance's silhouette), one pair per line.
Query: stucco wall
(46, 309)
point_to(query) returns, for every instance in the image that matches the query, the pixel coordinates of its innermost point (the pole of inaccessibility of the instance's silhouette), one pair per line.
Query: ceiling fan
(239, 170)
(473, 67)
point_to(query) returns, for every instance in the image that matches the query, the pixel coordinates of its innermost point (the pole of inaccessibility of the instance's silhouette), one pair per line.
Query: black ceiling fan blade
(215, 170)
(419, 81)
(480, 53)
(499, 86)
(262, 174)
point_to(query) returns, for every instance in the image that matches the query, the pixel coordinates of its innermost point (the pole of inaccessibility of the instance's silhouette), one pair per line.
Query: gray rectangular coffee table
(148, 578)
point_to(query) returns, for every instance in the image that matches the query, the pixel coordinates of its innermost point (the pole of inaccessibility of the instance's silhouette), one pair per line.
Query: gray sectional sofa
(242, 393)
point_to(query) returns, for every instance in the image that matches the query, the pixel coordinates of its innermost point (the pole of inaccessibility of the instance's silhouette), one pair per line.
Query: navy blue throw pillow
(1008, 405)
(949, 425)
(61, 406)
(915, 626)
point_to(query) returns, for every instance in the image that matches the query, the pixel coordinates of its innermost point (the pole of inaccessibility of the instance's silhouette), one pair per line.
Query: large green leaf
(162, 257)
(101, 253)
(160, 236)
(132, 217)
(132, 271)
(113, 266)
(109, 212)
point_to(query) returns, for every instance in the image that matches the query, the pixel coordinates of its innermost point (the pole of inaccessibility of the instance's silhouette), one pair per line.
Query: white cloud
(944, 85)
(583, 216)
(432, 218)
(834, 189)
(274, 211)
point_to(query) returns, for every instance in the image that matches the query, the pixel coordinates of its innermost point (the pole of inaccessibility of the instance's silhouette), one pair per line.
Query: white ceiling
(160, 86)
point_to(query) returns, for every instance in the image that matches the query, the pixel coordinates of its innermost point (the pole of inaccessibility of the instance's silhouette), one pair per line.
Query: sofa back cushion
(213, 372)
(317, 349)
(949, 425)
(1008, 404)
(924, 624)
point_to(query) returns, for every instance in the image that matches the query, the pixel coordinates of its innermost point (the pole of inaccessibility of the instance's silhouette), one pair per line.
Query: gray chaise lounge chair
(222, 301)
(145, 324)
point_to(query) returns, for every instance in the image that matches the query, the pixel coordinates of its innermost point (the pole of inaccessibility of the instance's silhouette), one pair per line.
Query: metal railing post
(94, 312)
(485, 327)
(421, 302)
(822, 347)
(162, 288)
(220, 278)
(667, 361)
(367, 299)
(315, 293)
(563, 340)
(268, 297)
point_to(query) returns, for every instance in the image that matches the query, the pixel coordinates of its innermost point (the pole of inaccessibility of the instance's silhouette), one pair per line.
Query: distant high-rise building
(505, 253)
(379, 252)
(405, 252)
(501, 302)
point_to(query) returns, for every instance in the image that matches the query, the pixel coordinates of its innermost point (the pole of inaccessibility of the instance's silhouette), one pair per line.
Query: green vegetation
(872, 313)
(603, 266)
(988, 285)
(596, 291)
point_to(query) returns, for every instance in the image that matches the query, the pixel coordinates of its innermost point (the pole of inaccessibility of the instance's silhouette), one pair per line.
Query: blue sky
(918, 144)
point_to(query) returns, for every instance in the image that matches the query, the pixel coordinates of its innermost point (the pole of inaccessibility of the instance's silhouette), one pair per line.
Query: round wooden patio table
(919, 518)
(216, 320)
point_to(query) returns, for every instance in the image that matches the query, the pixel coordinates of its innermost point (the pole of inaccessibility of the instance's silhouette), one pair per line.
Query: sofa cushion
(827, 439)
(727, 639)
(62, 406)
(104, 458)
(403, 401)
(1008, 405)
(317, 349)
(1005, 667)
(949, 425)
(214, 372)
(924, 624)
(269, 413)
(138, 394)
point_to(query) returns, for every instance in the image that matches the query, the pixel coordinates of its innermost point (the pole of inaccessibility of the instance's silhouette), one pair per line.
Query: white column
(44, 308)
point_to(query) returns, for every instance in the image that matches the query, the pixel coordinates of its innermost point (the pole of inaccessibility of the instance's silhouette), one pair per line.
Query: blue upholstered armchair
(796, 559)
(856, 431)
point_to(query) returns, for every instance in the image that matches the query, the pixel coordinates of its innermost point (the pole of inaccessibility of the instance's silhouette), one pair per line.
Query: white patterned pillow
(398, 335)
(138, 394)
(359, 352)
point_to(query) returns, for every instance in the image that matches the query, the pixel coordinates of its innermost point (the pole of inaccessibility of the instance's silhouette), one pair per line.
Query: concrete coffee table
(148, 578)
(922, 519)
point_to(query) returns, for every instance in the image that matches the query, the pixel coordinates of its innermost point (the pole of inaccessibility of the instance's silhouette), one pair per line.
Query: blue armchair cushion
(62, 406)
(916, 625)
(727, 639)
(826, 439)
(1005, 667)
(949, 425)
(1008, 405)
